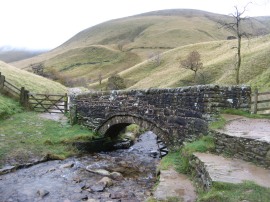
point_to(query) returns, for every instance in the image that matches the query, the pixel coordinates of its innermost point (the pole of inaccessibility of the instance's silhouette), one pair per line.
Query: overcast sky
(46, 24)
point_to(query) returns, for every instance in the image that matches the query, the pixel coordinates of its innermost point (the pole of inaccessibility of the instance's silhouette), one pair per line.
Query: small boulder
(92, 200)
(98, 171)
(116, 176)
(67, 165)
(42, 193)
(106, 181)
(99, 187)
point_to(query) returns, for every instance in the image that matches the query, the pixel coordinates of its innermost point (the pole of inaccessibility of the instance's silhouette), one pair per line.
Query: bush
(115, 82)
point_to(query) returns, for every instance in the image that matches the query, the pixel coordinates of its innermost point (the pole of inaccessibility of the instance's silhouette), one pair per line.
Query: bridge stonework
(174, 115)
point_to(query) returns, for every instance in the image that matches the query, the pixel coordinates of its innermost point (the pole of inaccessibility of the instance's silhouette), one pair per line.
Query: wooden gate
(48, 103)
(261, 102)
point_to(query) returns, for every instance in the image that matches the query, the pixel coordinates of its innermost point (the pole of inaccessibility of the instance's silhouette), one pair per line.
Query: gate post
(24, 97)
(2, 81)
(73, 114)
(66, 103)
(255, 101)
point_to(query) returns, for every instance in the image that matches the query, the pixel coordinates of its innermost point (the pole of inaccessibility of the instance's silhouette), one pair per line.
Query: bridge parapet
(174, 113)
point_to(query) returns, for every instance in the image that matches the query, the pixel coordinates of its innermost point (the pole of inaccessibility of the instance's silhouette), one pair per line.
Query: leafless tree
(156, 58)
(192, 62)
(236, 27)
(100, 78)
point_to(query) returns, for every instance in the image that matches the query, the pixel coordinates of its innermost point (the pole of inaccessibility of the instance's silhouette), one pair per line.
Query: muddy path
(239, 126)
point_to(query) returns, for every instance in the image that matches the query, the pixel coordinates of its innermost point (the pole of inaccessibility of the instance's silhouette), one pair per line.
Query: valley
(205, 120)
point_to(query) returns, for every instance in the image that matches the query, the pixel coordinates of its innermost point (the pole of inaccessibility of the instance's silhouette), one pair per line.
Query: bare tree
(236, 27)
(100, 78)
(192, 62)
(156, 58)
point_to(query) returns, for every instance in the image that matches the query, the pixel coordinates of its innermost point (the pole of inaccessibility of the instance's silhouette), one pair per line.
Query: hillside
(218, 59)
(122, 44)
(31, 82)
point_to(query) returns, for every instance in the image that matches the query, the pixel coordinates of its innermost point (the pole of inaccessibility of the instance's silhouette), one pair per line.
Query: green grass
(226, 192)
(8, 107)
(219, 123)
(26, 136)
(180, 159)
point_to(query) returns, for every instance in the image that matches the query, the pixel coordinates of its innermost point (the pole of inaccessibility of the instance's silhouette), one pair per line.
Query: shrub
(115, 82)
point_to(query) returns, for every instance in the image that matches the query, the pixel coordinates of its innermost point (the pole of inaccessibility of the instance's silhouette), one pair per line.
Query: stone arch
(112, 126)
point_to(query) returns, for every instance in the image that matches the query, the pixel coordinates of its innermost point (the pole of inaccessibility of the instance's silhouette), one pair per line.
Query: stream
(121, 175)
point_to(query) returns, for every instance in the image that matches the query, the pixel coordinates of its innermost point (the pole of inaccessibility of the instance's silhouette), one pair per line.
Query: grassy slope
(31, 82)
(89, 62)
(218, 58)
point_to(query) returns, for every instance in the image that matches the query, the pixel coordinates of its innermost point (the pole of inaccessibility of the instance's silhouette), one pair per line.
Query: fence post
(66, 103)
(24, 97)
(2, 81)
(255, 101)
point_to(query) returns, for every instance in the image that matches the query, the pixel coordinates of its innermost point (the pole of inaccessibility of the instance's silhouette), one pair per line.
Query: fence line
(261, 101)
(52, 103)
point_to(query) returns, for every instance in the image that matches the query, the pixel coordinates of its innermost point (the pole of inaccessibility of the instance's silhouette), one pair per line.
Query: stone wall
(248, 149)
(175, 114)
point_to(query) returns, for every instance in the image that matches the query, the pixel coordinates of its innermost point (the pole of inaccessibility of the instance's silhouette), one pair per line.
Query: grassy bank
(26, 137)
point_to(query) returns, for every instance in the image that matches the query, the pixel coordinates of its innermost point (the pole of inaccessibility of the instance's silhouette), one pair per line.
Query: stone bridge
(174, 115)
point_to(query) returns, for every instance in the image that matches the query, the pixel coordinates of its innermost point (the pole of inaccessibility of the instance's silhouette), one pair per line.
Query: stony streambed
(122, 175)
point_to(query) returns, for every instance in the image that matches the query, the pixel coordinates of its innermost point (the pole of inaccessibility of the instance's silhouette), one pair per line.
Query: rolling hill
(32, 82)
(126, 46)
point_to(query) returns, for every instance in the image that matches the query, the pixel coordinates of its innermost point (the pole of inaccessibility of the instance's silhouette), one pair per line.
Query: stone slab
(232, 170)
(173, 184)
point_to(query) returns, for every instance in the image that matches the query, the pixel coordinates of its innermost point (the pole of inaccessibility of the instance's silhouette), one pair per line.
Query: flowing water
(122, 175)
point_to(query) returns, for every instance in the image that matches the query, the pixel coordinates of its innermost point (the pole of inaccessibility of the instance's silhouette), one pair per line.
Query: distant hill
(8, 54)
(124, 45)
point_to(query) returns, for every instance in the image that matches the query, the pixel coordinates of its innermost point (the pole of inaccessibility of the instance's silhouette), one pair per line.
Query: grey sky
(46, 24)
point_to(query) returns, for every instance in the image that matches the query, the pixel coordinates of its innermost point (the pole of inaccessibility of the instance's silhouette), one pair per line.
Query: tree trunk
(238, 60)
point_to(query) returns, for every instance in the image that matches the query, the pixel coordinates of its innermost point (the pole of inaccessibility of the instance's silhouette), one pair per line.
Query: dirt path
(239, 126)
(54, 116)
